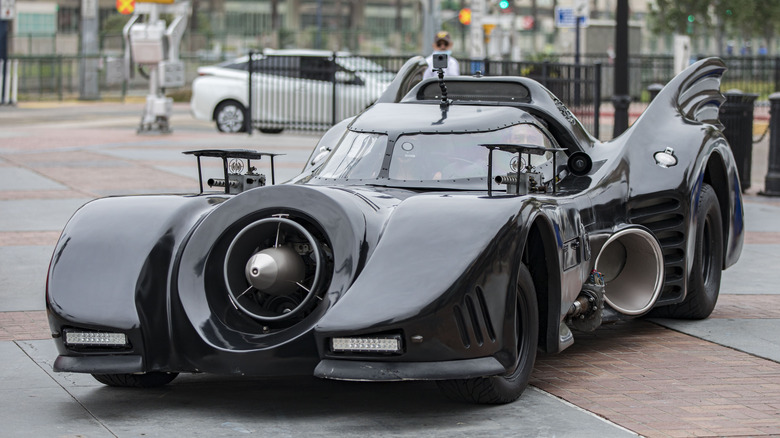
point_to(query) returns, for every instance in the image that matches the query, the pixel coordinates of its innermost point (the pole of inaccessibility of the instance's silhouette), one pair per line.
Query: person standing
(442, 43)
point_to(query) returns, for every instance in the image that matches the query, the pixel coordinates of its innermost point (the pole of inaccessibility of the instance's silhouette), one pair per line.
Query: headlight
(89, 339)
(373, 344)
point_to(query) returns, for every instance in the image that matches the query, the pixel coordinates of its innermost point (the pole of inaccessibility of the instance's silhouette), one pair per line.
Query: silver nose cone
(275, 271)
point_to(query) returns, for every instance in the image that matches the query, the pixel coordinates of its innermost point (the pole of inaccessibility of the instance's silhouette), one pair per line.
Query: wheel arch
(716, 176)
(540, 255)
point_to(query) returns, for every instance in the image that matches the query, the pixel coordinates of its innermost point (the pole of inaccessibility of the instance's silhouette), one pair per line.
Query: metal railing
(750, 74)
(57, 76)
(315, 92)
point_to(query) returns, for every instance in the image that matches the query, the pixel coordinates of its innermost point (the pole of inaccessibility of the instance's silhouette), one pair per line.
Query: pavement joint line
(585, 411)
(86, 409)
(50, 177)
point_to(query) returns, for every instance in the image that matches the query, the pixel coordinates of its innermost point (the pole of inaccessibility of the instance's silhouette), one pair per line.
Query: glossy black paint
(436, 265)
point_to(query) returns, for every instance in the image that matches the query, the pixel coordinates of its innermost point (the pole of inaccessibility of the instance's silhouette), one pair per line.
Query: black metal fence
(58, 76)
(307, 92)
(750, 74)
(354, 81)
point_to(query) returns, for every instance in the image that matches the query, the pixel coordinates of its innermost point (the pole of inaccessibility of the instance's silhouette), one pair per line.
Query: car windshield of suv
(434, 159)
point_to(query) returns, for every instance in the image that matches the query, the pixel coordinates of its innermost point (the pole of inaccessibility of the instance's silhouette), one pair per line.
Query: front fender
(449, 285)
(111, 265)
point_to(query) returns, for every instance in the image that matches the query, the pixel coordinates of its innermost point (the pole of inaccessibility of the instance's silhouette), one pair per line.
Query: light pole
(621, 98)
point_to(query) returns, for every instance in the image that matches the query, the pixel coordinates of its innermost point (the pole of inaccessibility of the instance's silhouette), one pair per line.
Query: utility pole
(88, 71)
(621, 98)
(476, 46)
(431, 24)
(6, 14)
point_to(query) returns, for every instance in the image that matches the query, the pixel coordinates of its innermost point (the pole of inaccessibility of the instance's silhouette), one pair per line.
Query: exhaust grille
(473, 320)
(665, 218)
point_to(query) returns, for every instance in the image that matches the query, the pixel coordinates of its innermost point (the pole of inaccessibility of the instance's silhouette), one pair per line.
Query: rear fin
(695, 92)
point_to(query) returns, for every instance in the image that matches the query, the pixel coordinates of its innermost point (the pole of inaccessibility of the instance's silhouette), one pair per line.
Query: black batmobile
(446, 233)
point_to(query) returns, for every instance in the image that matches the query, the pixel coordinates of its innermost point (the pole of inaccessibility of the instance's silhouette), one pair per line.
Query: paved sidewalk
(658, 378)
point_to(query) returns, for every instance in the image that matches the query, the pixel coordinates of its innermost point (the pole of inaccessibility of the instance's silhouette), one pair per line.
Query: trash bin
(654, 89)
(736, 114)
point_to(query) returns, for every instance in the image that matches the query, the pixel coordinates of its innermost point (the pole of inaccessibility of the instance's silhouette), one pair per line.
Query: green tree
(741, 19)
(680, 16)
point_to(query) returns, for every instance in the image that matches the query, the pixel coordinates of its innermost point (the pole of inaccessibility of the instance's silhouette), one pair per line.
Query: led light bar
(384, 344)
(95, 338)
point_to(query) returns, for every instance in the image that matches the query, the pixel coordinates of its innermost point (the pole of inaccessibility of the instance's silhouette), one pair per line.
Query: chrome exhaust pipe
(632, 264)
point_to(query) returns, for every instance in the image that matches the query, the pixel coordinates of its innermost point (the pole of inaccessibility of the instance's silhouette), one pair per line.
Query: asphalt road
(720, 376)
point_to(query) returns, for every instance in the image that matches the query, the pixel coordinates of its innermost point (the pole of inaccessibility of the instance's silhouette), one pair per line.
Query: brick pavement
(662, 383)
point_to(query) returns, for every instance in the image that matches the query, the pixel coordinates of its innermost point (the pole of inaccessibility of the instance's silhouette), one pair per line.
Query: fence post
(597, 100)
(59, 77)
(333, 67)
(772, 180)
(250, 68)
(777, 73)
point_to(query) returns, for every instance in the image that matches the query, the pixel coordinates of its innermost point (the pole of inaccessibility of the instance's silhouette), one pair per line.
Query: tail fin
(695, 93)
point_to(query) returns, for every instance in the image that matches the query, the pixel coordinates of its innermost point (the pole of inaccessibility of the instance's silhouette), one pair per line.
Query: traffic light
(464, 16)
(503, 4)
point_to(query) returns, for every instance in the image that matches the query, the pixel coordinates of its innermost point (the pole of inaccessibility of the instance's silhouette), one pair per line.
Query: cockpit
(457, 161)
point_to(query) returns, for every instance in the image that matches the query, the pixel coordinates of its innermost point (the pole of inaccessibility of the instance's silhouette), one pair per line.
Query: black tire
(505, 388)
(704, 278)
(145, 380)
(231, 117)
(271, 130)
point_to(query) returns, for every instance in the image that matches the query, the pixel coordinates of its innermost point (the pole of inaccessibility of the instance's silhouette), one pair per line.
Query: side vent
(461, 323)
(664, 217)
(473, 320)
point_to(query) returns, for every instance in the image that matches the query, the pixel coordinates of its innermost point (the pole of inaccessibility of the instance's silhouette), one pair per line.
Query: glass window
(435, 157)
(357, 156)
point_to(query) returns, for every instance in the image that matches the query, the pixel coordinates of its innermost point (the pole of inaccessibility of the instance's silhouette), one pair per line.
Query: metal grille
(664, 217)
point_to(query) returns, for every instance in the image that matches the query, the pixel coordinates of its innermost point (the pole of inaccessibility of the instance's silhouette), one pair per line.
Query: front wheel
(145, 380)
(231, 117)
(704, 278)
(508, 387)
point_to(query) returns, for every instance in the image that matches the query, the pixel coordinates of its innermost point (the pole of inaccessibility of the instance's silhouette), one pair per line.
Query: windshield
(434, 159)
(357, 156)
(437, 157)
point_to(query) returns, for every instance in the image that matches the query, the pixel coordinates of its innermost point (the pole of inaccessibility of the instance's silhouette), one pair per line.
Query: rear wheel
(230, 117)
(704, 279)
(145, 380)
(506, 388)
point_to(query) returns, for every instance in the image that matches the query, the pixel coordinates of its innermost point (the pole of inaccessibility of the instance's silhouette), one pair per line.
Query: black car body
(357, 270)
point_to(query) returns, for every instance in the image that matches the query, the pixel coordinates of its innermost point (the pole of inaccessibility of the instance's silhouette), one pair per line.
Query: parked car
(290, 87)
(439, 235)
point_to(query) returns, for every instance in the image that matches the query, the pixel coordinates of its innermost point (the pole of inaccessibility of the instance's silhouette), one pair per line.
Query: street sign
(526, 22)
(7, 9)
(564, 18)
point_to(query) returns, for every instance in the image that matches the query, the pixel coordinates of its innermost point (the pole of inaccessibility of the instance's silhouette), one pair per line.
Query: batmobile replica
(446, 233)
